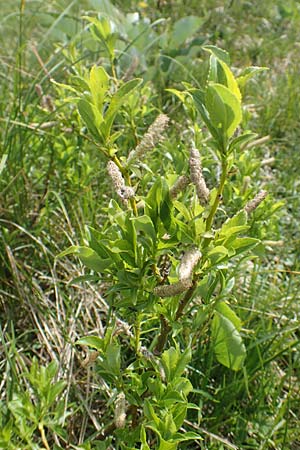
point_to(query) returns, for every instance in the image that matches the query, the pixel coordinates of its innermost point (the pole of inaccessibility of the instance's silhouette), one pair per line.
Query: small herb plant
(165, 253)
(35, 411)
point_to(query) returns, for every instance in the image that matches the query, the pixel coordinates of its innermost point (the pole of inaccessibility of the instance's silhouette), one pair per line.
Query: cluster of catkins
(153, 136)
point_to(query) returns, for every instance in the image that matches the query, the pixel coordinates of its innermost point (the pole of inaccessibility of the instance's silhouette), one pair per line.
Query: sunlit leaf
(223, 107)
(99, 82)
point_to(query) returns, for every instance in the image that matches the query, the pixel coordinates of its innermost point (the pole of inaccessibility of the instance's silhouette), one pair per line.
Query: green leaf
(151, 415)
(223, 107)
(217, 254)
(180, 94)
(91, 342)
(227, 342)
(183, 209)
(98, 83)
(116, 102)
(88, 256)
(183, 29)
(179, 414)
(174, 362)
(160, 202)
(182, 385)
(171, 397)
(166, 445)
(113, 357)
(249, 73)
(143, 438)
(224, 309)
(145, 225)
(199, 99)
(54, 391)
(101, 30)
(219, 53)
(98, 242)
(159, 205)
(220, 73)
(168, 426)
(238, 221)
(241, 245)
(240, 141)
(188, 436)
(91, 116)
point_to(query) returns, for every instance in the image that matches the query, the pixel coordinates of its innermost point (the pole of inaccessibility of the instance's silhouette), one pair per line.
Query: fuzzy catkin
(254, 203)
(180, 184)
(168, 290)
(150, 138)
(147, 354)
(197, 176)
(189, 260)
(47, 103)
(127, 192)
(124, 192)
(120, 412)
(116, 176)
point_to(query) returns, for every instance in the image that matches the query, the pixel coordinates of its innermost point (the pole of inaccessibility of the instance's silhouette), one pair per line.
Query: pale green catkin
(147, 354)
(120, 412)
(253, 204)
(124, 192)
(47, 103)
(169, 290)
(187, 264)
(197, 176)
(180, 184)
(152, 137)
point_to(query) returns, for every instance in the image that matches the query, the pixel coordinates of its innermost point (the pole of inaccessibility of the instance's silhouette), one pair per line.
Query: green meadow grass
(53, 185)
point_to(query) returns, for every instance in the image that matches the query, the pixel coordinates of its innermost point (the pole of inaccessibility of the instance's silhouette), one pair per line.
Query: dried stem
(162, 338)
(184, 301)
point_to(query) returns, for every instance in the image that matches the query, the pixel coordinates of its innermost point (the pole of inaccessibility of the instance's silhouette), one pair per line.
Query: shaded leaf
(88, 256)
(224, 309)
(184, 28)
(227, 342)
(91, 117)
(113, 357)
(174, 362)
(116, 102)
(91, 342)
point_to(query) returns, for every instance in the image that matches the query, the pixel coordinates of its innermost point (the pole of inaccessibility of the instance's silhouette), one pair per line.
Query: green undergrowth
(58, 386)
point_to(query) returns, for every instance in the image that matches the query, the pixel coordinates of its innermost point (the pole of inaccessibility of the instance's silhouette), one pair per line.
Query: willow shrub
(164, 253)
